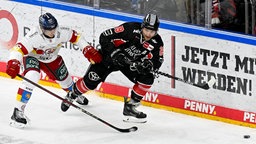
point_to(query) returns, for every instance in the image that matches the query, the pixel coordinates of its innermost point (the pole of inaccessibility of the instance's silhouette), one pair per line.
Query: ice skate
(131, 114)
(70, 97)
(18, 119)
(82, 100)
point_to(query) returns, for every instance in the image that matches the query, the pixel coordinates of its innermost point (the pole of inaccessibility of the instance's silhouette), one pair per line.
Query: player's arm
(16, 55)
(149, 65)
(89, 51)
(112, 42)
(112, 38)
(22, 48)
(152, 61)
(158, 56)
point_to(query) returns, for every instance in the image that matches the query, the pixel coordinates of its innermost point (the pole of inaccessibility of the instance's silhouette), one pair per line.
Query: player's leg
(95, 74)
(139, 90)
(31, 71)
(57, 71)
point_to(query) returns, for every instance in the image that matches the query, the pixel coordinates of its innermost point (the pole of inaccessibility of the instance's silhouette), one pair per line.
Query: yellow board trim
(177, 110)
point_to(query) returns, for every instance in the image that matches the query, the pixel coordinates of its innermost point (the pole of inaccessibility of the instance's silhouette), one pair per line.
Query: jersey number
(119, 29)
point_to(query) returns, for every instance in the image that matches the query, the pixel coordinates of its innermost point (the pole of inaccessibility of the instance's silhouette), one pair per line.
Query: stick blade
(206, 87)
(132, 129)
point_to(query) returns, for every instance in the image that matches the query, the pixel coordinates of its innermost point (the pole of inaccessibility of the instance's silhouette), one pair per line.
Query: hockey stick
(134, 128)
(205, 86)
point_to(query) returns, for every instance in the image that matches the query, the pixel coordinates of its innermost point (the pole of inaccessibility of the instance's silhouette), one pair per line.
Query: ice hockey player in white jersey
(37, 51)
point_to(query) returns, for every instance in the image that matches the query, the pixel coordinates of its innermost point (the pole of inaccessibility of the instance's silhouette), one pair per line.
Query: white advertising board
(196, 58)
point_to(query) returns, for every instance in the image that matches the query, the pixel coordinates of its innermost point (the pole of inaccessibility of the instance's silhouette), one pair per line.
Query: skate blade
(82, 100)
(17, 124)
(131, 119)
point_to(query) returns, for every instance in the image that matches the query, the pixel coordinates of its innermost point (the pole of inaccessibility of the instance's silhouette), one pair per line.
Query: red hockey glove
(13, 68)
(92, 54)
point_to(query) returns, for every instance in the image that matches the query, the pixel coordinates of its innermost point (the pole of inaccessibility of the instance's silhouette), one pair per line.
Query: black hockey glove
(144, 67)
(118, 58)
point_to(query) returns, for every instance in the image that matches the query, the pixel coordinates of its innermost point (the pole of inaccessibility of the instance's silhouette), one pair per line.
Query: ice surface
(51, 126)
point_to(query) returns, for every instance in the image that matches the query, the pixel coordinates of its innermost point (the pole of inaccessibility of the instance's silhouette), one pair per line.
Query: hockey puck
(246, 136)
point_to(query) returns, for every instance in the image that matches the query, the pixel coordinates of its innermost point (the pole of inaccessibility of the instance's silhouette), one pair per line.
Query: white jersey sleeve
(45, 49)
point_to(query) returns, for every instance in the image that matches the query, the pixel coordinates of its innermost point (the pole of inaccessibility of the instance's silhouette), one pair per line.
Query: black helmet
(47, 21)
(151, 22)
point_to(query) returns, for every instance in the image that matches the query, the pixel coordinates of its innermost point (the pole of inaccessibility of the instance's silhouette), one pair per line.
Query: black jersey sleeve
(115, 37)
(158, 53)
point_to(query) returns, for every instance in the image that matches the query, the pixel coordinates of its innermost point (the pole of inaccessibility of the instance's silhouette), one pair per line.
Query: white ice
(51, 126)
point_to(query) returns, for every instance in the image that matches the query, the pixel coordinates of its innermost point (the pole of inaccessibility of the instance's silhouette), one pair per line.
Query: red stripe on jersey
(38, 51)
(23, 48)
(118, 42)
(74, 37)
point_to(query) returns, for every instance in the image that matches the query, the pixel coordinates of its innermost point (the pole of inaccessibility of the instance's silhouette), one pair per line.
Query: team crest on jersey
(49, 51)
(119, 29)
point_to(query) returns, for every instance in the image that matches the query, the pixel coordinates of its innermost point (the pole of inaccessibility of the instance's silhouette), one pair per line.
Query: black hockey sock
(75, 90)
(135, 98)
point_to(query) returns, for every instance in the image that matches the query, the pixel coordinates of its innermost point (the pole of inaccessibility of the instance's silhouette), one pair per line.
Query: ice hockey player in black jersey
(135, 49)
